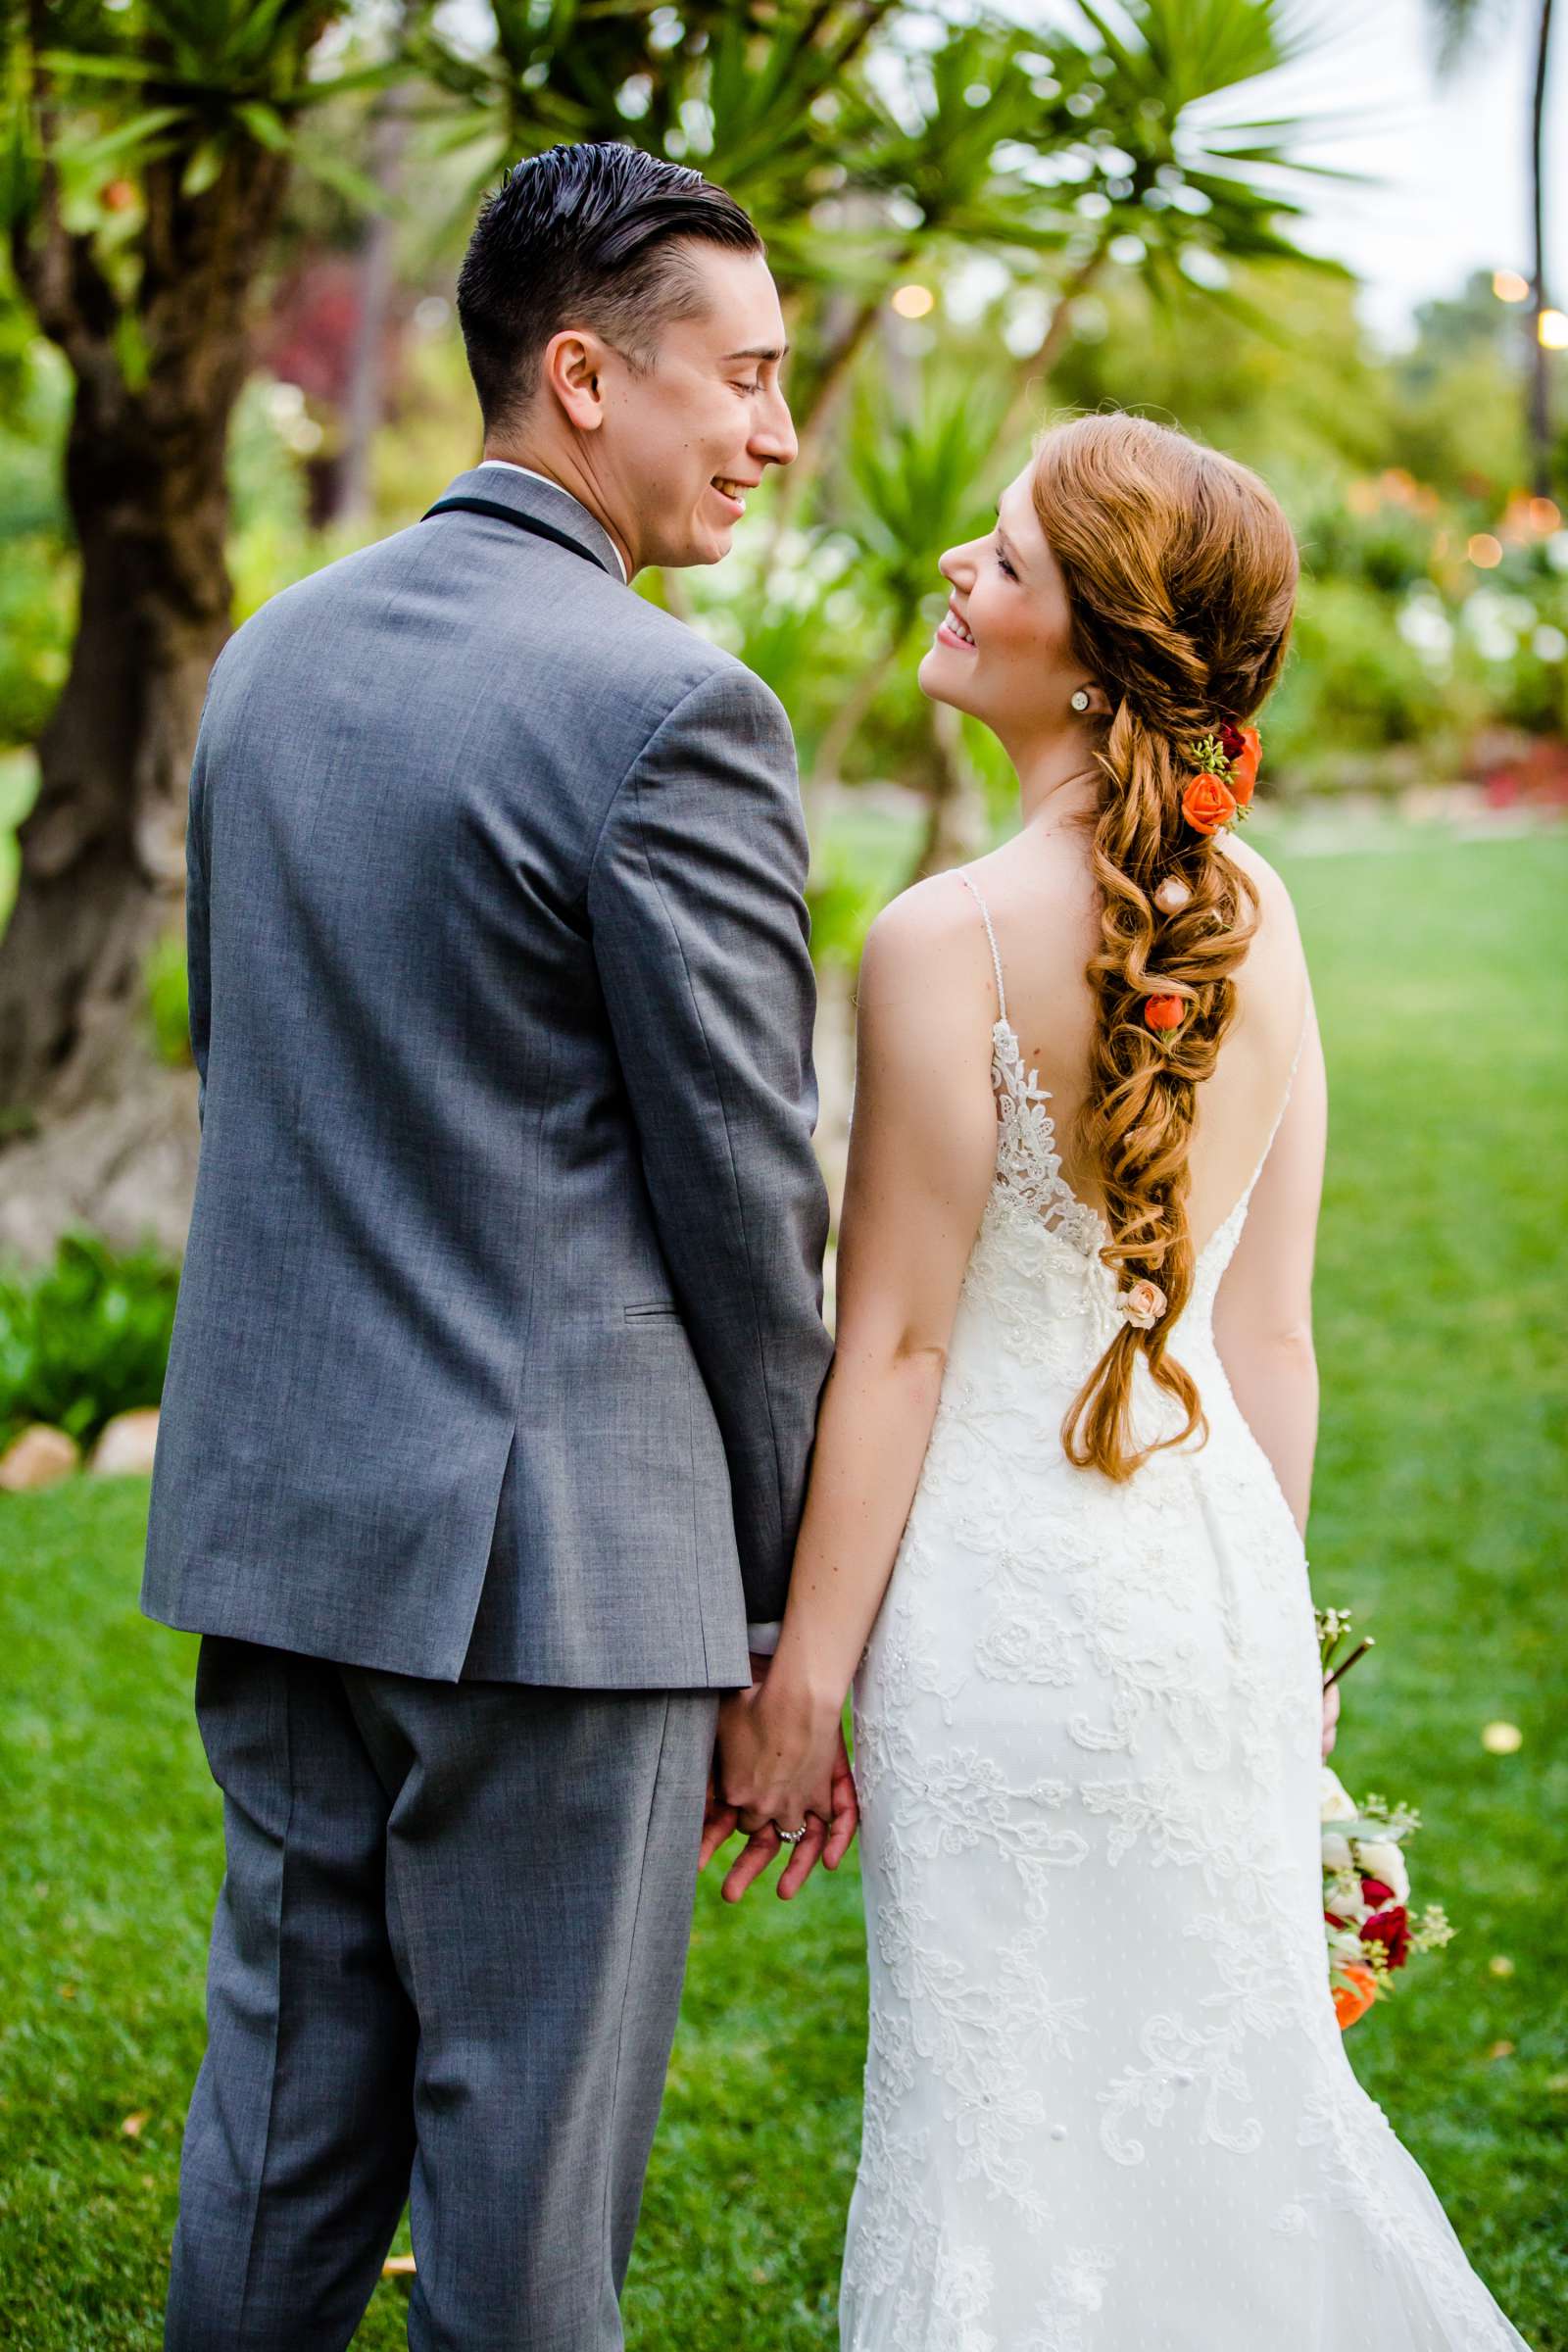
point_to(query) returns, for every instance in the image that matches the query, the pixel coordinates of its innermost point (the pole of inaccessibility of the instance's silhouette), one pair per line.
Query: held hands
(779, 1762)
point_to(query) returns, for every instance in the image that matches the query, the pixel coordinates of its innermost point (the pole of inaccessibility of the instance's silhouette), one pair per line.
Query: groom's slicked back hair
(590, 235)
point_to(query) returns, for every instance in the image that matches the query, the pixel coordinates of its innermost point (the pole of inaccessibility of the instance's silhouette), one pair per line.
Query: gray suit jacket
(499, 1341)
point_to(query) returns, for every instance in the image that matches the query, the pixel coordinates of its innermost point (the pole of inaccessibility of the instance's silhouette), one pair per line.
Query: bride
(1055, 1511)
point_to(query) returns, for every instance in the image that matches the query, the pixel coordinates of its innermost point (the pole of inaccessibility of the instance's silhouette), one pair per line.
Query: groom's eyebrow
(761, 352)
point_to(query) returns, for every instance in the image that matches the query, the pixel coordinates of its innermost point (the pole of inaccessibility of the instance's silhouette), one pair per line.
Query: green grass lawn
(1440, 1521)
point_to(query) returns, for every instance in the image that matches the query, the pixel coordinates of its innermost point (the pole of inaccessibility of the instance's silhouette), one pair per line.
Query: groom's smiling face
(681, 445)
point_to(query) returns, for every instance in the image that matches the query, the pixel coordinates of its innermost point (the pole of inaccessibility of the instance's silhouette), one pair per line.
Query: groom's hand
(816, 1787)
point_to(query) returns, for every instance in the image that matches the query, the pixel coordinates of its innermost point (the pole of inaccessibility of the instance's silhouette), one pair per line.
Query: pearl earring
(1080, 701)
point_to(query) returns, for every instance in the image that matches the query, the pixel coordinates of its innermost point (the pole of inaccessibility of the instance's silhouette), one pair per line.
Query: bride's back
(1045, 912)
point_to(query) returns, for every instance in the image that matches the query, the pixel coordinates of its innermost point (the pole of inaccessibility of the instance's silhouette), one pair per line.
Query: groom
(499, 1342)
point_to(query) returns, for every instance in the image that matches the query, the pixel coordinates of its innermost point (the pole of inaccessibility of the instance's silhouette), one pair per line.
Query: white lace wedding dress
(1107, 2108)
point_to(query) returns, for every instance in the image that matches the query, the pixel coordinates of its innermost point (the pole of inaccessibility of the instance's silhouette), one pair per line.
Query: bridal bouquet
(1366, 1885)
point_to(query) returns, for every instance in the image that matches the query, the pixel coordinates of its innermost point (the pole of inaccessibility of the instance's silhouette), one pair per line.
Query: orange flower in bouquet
(1370, 1929)
(1354, 1996)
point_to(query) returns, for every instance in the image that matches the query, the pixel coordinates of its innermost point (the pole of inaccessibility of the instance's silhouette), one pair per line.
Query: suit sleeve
(198, 970)
(700, 930)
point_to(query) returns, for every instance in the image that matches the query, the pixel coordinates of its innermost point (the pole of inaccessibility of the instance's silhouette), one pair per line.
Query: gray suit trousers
(446, 1966)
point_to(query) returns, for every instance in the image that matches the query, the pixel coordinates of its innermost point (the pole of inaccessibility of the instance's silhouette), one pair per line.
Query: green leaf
(334, 173)
(140, 131)
(204, 164)
(265, 125)
(132, 351)
(19, 171)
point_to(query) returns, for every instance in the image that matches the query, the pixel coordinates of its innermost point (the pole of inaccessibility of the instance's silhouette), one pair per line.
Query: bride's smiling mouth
(953, 629)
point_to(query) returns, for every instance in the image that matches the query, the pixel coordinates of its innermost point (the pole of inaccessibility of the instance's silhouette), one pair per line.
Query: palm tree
(1080, 150)
(1457, 22)
(145, 150)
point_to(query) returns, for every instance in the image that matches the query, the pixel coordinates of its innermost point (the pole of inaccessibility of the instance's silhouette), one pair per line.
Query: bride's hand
(780, 1765)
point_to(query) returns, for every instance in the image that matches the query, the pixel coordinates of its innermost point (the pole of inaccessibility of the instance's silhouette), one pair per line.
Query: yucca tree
(147, 147)
(1122, 140)
(1457, 23)
(146, 150)
(1167, 161)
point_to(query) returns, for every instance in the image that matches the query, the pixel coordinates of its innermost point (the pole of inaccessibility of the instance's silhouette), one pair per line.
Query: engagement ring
(793, 1836)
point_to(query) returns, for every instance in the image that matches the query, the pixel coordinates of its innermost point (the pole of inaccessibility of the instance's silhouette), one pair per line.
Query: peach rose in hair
(1143, 1305)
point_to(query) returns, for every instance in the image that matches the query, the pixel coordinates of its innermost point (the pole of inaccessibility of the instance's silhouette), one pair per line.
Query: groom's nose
(774, 439)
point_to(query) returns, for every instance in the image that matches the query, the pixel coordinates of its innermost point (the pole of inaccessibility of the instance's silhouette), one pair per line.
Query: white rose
(1337, 1854)
(1383, 1860)
(1332, 1802)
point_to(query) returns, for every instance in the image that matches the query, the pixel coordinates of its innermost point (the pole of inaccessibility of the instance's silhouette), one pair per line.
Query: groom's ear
(572, 373)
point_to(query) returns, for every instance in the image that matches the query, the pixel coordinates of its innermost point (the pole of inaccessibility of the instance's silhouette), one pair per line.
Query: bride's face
(1003, 651)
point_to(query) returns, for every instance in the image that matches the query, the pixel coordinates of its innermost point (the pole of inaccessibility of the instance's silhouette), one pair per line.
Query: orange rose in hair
(1208, 804)
(1244, 765)
(1163, 1012)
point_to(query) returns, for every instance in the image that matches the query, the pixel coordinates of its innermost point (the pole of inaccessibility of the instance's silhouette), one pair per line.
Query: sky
(1451, 158)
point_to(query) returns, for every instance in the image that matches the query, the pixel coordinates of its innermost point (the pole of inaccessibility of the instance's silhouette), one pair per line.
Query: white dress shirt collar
(565, 492)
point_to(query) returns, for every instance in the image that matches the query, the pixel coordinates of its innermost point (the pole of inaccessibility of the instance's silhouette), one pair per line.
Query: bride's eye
(1004, 566)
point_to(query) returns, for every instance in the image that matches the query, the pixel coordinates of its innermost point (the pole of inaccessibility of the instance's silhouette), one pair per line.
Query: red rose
(1375, 1893)
(1391, 1928)
(1208, 804)
(1231, 741)
(1163, 1012)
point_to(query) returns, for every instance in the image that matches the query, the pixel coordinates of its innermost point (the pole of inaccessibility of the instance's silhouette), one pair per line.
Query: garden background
(228, 353)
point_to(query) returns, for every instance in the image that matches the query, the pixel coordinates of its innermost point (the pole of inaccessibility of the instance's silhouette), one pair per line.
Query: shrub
(85, 1340)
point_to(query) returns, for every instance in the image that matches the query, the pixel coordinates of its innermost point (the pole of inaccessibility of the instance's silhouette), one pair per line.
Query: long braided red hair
(1180, 571)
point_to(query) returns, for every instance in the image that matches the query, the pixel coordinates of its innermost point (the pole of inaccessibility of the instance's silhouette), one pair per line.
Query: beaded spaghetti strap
(996, 959)
(1028, 1164)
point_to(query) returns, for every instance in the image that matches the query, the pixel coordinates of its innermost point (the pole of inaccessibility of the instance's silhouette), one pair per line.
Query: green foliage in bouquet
(85, 1340)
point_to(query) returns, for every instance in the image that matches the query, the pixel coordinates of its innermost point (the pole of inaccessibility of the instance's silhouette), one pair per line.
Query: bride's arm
(1263, 1313)
(922, 1150)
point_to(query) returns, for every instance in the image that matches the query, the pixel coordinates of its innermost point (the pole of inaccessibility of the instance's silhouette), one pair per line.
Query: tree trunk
(1032, 372)
(849, 716)
(956, 823)
(101, 852)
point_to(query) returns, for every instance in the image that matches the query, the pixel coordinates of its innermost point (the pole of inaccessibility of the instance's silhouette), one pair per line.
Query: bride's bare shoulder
(1274, 899)
(928, 943)
(1272, 977)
